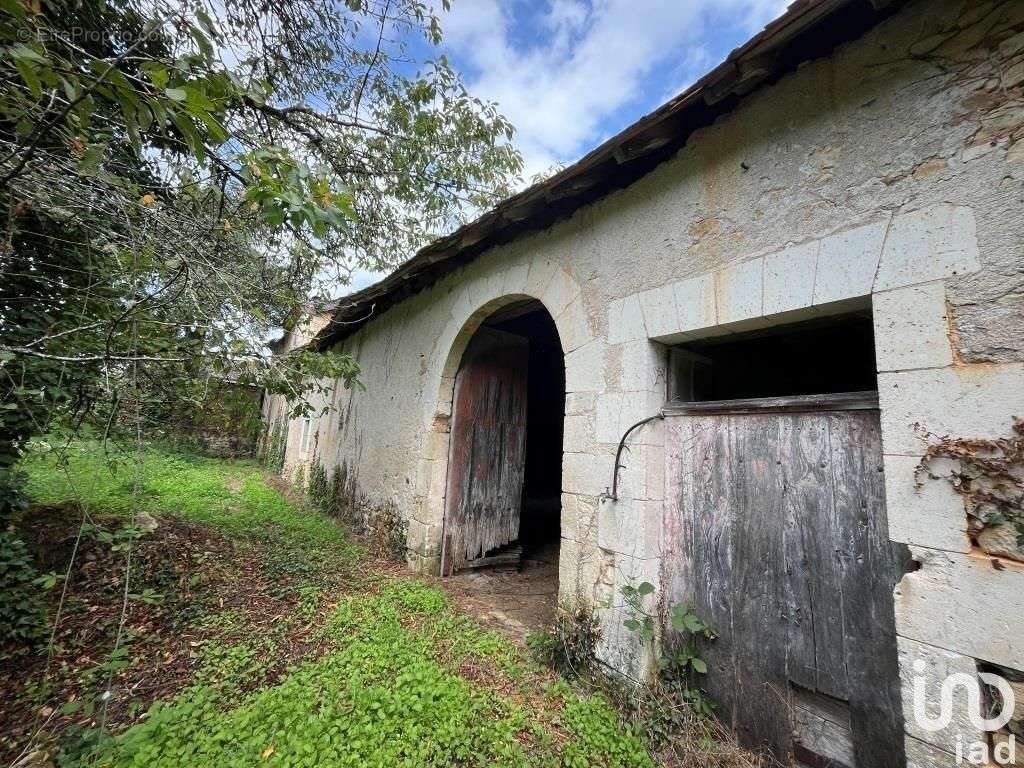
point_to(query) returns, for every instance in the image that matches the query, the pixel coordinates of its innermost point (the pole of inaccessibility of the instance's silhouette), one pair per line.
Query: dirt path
(517, 601)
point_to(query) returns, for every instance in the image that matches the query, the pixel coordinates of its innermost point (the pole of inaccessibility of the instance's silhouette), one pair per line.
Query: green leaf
(217, 132)
(192, 137)
(202, 42)
(273, 216)
(21, 51)
(157, 74)
(28, 74)
(70, 88)
(176, 94)
(645, 588)
(204, 19)
(132, 127)
(699, 666)
(14, 8)
(92, 158)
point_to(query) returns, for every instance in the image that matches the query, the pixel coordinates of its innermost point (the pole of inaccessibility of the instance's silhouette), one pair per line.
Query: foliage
(668, 714)
(595, 725)
(276, 567)
(273, 444)
(318, 489)
(341, 502)
(640, 620)
(230, 497)
(230, 668)
(392, 674)
(381, 526)
(570, 647)
(178, 176)
(224, 420)
(679, 662)
(22, 616)
(987, 473)
(386, 692)
(689, 627)
(388, 532)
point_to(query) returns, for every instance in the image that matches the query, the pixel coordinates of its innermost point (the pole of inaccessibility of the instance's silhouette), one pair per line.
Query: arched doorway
(501, 526)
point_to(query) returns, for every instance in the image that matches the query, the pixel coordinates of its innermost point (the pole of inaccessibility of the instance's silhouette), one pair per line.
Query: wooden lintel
(509, 557)
(839, 401)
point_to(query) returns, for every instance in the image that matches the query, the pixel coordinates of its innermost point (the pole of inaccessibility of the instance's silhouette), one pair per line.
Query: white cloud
(596, 57)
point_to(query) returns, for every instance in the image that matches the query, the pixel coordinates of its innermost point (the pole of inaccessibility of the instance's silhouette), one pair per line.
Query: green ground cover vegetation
(279, 641)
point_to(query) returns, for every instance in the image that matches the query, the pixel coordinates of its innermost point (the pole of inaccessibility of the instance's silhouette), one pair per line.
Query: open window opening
(503, 501)
(307, 428)
(824, 356)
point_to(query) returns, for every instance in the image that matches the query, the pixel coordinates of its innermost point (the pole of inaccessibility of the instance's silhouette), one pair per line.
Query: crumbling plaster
(893, 170)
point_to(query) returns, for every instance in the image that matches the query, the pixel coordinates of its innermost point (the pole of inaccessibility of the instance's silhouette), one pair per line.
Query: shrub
(570, 647)
(22, 615)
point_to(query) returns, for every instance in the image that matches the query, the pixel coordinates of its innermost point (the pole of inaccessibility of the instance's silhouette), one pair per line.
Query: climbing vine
(273, 444)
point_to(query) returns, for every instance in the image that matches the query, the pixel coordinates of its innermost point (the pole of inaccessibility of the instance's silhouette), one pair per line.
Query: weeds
(232, 669)
(570, 649)
(670, 715)
(385, 693)
(596, 727)
(252, 639)
(230, 497)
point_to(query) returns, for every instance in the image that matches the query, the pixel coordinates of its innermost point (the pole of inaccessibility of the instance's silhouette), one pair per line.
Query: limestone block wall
(960, 605)
(891, 172)
(276, 408)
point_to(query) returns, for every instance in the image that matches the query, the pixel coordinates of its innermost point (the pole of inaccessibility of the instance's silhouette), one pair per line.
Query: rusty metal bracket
(613, 494)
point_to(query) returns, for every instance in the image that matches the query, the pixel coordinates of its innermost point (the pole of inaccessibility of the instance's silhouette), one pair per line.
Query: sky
(571, 73)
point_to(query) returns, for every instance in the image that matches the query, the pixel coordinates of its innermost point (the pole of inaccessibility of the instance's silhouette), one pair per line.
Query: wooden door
(487, 448)
(776, 533)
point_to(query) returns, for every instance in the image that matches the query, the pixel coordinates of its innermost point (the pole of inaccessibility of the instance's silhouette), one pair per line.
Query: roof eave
(808, 29)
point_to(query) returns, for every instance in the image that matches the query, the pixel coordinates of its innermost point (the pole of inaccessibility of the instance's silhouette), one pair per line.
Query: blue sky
(571, 73)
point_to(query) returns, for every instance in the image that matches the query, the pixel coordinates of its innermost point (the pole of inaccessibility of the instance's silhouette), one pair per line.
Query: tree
(175, 177)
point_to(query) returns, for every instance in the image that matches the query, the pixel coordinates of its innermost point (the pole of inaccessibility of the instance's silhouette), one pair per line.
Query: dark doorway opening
(539, 526)
(516, 583)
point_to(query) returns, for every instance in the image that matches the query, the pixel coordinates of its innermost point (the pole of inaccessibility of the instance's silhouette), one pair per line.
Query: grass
(230, 496)
(300, 651)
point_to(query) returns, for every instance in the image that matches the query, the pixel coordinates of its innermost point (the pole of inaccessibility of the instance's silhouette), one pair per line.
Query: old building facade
(873, 190)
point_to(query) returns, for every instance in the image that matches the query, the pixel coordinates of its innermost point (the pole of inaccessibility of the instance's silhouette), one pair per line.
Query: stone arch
(475, 301)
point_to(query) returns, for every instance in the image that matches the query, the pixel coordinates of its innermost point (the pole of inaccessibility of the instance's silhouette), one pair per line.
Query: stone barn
(734, 352)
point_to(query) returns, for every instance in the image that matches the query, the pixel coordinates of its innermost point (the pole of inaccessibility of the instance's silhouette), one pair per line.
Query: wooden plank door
(487, 448)
(776, 534)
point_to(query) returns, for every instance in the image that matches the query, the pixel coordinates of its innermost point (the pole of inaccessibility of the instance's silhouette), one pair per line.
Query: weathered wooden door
(487, 448)
(776, 533)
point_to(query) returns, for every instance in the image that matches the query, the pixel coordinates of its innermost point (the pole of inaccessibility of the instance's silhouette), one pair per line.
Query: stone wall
(280, 442)
(889, 173)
